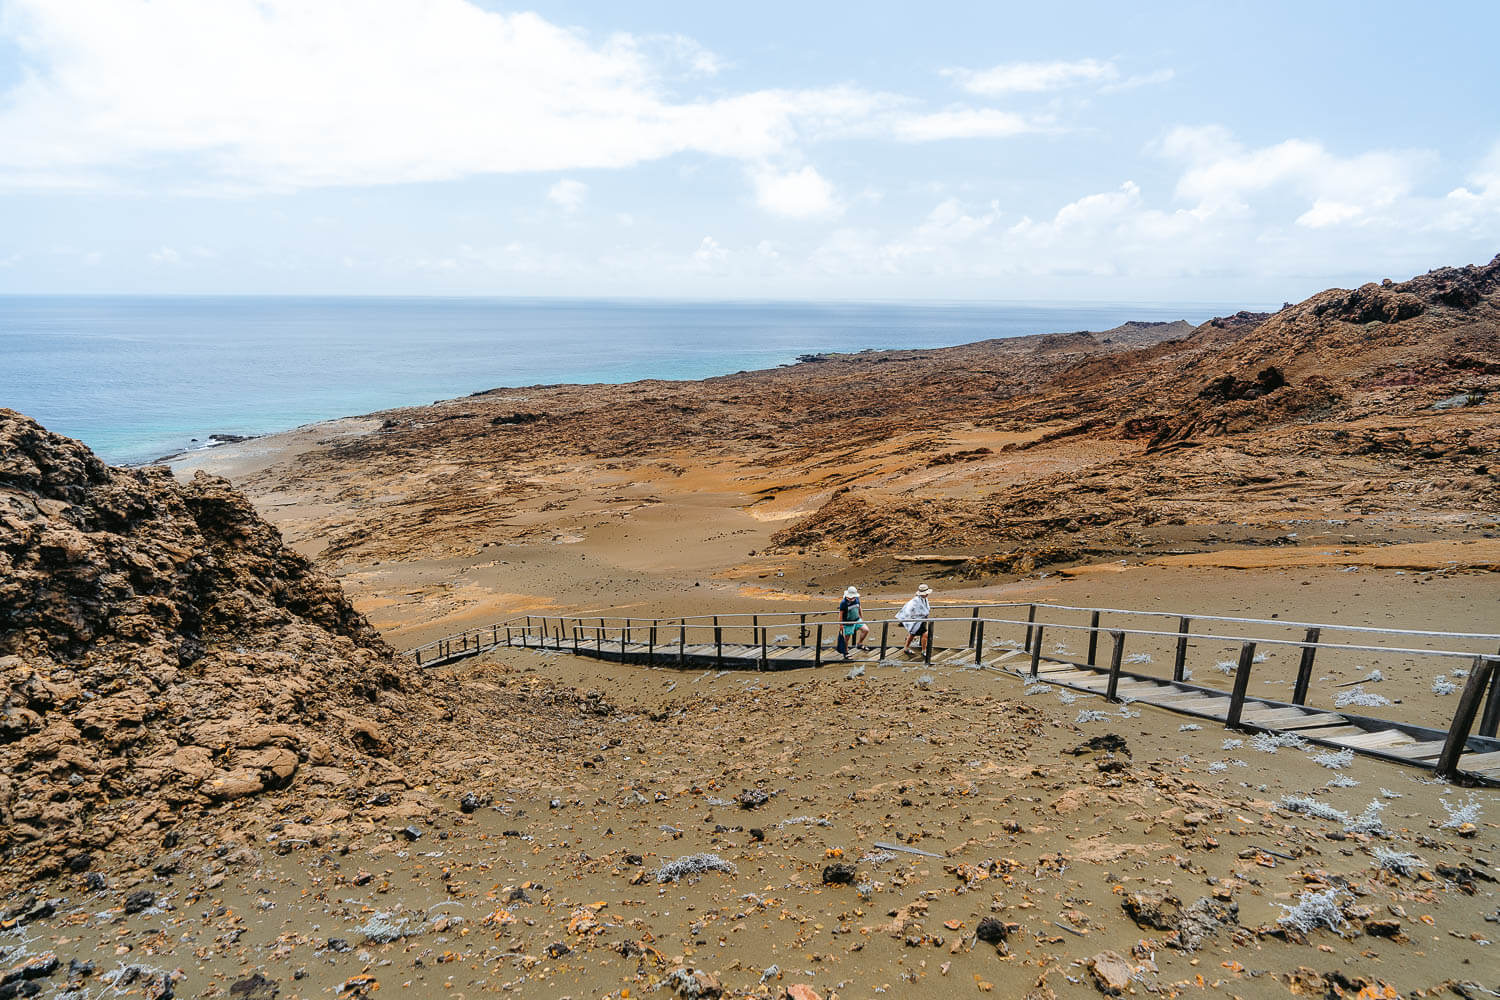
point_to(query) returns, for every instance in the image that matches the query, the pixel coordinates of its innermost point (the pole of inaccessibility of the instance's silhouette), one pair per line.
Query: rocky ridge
(163, 655)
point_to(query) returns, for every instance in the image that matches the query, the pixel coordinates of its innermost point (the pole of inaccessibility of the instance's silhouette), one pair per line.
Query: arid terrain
(221, 780)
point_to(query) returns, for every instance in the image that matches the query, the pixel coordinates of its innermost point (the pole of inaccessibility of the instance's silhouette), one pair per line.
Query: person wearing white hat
(914, 617)
(854, 630)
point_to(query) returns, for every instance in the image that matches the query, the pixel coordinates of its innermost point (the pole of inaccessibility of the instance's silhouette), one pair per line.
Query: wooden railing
(667, 640)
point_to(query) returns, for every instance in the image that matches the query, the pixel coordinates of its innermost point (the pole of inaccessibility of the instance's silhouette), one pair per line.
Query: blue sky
(935, 151)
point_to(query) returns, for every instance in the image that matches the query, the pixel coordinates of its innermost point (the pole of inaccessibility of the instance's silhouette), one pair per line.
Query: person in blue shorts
(854, 630)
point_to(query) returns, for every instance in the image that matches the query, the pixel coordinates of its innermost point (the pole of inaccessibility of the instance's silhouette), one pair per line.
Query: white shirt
(915, 613)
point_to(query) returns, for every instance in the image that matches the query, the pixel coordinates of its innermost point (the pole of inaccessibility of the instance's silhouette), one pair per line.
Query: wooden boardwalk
(796, 640)
(1397, 742)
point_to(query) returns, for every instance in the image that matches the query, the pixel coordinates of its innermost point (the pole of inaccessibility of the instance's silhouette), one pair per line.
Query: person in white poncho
(913, 618)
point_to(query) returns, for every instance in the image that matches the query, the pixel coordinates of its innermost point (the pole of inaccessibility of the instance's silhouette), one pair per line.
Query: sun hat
(923, 590)
(852, 592)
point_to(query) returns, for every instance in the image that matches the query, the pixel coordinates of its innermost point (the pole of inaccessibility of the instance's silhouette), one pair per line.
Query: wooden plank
(1478, 761)
(1375, 741)
(1428, 749)
(1205, 705)
(1329, 733)
(1314, 721)
(1271, 716)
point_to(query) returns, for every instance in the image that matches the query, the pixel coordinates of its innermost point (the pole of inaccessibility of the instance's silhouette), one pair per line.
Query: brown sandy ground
(550, 886)
(1142, 468)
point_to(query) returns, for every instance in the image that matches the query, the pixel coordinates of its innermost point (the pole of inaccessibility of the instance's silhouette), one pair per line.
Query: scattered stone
(839, 873)
(1156, 910)
(557, 949)
(412, 833)
(1385, 928)
(1202, 919)
(992, 931)
(1112, 973)
(254, 987)
(141, 899)
(752, 798)
(694, 984)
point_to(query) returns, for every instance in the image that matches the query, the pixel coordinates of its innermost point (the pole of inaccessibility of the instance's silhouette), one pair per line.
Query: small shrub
(693, 864)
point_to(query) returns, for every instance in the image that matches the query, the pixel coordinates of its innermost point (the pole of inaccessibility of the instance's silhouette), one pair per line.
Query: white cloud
(794, 194)
(1032, 77)
(964, 123)
(1222, 175)
(568, 194)
(283, 94)
(164, 255)
(1327, 212)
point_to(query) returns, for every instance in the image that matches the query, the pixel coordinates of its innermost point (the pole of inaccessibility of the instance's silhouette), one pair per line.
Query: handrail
(824, 612)
(797, 618)
(1480, 700)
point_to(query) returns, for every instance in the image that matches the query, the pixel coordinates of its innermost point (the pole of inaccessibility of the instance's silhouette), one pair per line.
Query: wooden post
(1030, 617)
(718, 644)
(1093, 636)
(1241, 685)
(627, 630)
(508, 639)
(494, 635)
(802, 629)
(651, 647)
(1036, 650)
(1305, 665)
(931, 640)
(682, 642)
(764, 656)
(818, 647)
(1116, 657)
(622, 645)
(1463, 717)
(576, 629)
(1182, 636)
(885, 629)
(974, 626)
(1490, 720)
(979, 642)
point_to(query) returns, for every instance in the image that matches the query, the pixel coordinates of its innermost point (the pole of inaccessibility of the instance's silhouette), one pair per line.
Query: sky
(933, 151)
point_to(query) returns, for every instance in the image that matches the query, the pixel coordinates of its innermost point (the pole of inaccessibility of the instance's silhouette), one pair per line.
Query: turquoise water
(137, 377)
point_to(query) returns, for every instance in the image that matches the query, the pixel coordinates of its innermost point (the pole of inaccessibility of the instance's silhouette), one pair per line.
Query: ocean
(136, 378)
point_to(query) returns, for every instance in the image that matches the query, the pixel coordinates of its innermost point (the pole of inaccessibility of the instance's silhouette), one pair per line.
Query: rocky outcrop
(162, 653)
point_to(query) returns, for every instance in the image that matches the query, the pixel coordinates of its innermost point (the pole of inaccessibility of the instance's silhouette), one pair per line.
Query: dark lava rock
(20, 988)
(992, 931)
(557, 949)
(94, 882)
(170, 840)
(470, 802)
(379, 799)
(141, 899)
(751, 798)
(412, 833)
(634, 859)
(37, 967)
(79, 863)
(1383, 928)
(79, 970)
(517, 896)
(339, 945)
(838, 873)
(1109, 741)
(757, 834)
(255, 987)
